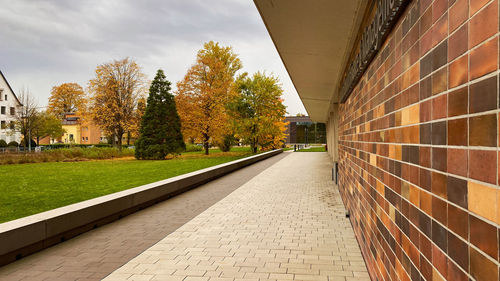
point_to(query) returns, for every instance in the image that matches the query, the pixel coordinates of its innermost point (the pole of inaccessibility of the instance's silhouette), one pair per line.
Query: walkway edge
(24, 236)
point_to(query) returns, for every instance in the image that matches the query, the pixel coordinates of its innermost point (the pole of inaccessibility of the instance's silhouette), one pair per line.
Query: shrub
(193, 148)
(13, 144)
(3, 143)
(226, 143)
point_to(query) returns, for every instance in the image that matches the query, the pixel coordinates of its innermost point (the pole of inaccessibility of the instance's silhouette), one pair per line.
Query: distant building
(9, 107)
(78, 131)
(301, 130)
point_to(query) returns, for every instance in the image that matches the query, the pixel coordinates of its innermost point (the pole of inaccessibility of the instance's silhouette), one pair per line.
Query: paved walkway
(287, 223)
(95, 254)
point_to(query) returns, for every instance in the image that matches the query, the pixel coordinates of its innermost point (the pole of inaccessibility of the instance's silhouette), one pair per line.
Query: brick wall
(418, 146)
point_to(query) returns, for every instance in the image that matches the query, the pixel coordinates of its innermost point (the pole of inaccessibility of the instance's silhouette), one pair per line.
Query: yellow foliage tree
(114, 95)
(204, 93)
(67, 97)
(258, 111)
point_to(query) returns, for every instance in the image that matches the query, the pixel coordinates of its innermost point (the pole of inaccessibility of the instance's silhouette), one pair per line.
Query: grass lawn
(313, 149)
(27, 189)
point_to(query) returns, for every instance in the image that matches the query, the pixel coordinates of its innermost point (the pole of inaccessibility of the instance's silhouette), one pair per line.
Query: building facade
(409, 93)
(302, 130)
(77, 131)
(10, 106)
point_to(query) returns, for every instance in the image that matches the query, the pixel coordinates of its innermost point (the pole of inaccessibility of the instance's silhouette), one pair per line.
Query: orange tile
(484, 24)
(483, 200)
(483, 60)
(415, 195)
(459, 13)
(458, 71)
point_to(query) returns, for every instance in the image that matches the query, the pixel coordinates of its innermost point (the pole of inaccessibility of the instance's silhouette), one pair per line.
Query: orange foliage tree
(204, 93)
(67, 97)
(114, 95)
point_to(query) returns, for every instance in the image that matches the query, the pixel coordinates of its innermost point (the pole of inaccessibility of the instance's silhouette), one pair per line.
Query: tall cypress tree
(160, 132)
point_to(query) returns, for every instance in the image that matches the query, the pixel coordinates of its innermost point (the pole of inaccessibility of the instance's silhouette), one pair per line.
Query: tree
(114, 95)
(204, 93)
(67, 97)
(46, 125)
(26, 116)
(160, 131)
(258, 111)
(136, 121)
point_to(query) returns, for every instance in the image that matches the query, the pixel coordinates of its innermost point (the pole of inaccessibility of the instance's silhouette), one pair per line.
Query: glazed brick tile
(483, 130)
(475, 5)
(439, 7)
(457, 161)
(439, 81)
(426, 88)
(458, 102)
(458, 132)
(439, 184)
(458, 43)
(482, 165)
(440, 210)
(426, 111)
(483, 95)
(484, 24)
(426, 133)
(483, 200)
(483, 59)
(459, 13)
(481, 268)
(439, 107)
(440, 55)
(459, 70)
(439, 258)
(484, 236)
(458, 250)
(439, 133)
(439, 159)
(439, 29)
(455, 272)
(458, 221)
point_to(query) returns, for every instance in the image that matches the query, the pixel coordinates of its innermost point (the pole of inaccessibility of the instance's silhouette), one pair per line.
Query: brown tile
(426, 42)
(439, 133)
(458, 102)
(439, 81)
(482, 165)
(457, 43)
(425, 21)
(483, 60)
(439, 210)
(425, 268)
(425, 133)
(457, 132)
(457, 191)
(459, 13)
(426, 202)
(440, 55)
(439, 7)
(439, 30)
(425, 179)
(439, 183)
(439, 236)
(439, 105)
(484, 24)
(455, 273)
(458, 221)
(425, 246)
(481, 268)
(475, 5)
(426, 65)
(484, 236)
(458, 72)
(483, 95)
(458, 251)
(439, 159)
(483, 130)
(426, 111)
(457, 161)
(426, 88)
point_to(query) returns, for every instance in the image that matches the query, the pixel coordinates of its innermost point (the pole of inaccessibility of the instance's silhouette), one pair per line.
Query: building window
(12, 125)
(3, 125)
(83, 138)
(12, 111)
(3, 110)
(5, 97)
(70, 137)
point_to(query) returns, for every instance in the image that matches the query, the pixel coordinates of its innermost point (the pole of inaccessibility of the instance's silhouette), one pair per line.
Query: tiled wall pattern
(419, 146)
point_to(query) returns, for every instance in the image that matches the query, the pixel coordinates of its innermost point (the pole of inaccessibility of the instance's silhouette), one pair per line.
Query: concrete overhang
(314, 39)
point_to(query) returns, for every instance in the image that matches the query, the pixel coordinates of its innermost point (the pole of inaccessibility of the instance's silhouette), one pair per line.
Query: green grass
(313, 149)
(27, 189)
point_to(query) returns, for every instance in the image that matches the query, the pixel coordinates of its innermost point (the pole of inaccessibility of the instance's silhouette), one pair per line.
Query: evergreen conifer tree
(160, 131)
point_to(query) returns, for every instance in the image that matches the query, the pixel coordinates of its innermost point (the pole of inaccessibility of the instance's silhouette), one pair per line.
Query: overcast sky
(44, 43)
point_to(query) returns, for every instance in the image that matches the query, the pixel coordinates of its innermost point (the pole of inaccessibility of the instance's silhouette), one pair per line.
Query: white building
(9, 107)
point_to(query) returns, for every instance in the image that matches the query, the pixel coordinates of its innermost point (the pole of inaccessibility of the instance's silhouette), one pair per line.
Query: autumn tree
(258, 111)
(25, 118)
(114, 94)
(204, 93)
(67, 97)
(46, 125)
(160, 131)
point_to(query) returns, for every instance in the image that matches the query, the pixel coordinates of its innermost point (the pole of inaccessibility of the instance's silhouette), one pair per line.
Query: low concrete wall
(27, 235)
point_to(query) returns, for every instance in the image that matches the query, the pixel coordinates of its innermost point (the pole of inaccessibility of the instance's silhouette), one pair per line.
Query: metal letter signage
(372, 38)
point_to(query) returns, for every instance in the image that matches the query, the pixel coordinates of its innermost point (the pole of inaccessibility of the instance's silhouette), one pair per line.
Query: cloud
(49, 42)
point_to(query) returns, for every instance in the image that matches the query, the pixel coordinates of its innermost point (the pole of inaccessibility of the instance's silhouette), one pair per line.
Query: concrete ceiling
(313, 38)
